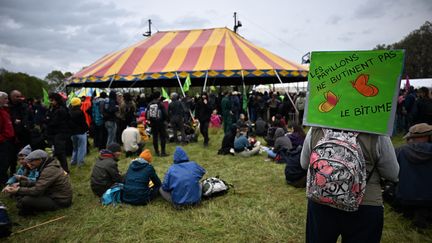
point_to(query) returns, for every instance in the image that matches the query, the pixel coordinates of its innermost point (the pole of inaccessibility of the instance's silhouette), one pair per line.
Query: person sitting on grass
(412, 195)
(141, 181)
(23, 172)
(131, 139)
(282, 143)
(228, 141)
(245, 146)
(105, 172)
(181, 185)
(50, 192)
(297, 136)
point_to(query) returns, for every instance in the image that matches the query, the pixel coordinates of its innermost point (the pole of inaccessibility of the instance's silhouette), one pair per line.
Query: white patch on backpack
(213, 186)
(337, 171)
(154, 112)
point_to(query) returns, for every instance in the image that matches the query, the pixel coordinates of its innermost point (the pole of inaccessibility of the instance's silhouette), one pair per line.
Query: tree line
(418, 64)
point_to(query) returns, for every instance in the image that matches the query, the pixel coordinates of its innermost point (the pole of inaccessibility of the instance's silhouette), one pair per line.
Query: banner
(354, 90)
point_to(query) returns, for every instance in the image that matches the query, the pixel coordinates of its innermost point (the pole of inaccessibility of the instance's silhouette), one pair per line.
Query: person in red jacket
(7, 135)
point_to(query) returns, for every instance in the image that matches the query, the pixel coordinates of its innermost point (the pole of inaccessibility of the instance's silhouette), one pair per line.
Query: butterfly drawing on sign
(330, 103)
(362, 86)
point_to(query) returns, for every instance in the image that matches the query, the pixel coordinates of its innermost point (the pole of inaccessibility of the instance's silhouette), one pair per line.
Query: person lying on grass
(105, 172)
(141, 181)
(50, 192)
(181, 185)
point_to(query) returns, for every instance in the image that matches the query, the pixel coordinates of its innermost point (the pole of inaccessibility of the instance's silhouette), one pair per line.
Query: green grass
(261, 208)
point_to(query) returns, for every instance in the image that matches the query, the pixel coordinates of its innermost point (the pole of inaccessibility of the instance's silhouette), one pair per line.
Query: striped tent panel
(219, 52)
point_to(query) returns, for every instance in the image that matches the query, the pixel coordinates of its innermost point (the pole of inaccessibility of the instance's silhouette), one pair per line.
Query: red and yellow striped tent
(219, 55)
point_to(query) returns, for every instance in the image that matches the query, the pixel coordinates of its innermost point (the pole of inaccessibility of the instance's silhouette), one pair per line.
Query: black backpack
(5, 223)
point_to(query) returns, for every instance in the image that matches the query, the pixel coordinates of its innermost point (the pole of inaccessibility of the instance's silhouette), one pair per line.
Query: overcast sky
(37, 37)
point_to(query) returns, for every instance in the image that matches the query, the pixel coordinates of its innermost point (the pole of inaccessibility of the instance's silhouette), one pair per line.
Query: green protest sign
(354, 90)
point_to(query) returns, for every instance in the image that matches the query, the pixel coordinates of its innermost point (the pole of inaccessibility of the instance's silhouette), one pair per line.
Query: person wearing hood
(50, 192)
(105, 172)
(181, 185)
(282, 142)
(141, 181)
(412, 192)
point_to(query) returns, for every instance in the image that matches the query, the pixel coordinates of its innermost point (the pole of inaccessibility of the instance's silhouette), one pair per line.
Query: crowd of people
(119, 122)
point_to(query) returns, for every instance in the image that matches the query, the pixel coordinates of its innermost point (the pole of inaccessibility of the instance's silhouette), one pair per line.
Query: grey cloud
(333, 20)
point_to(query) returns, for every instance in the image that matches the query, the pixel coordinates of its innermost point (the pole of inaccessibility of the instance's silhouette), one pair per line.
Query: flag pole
(287, 92)
(205, 81)
(181, 87)
(184, 95)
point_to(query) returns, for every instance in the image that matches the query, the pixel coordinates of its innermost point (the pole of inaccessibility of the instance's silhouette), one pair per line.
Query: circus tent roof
(217, 54)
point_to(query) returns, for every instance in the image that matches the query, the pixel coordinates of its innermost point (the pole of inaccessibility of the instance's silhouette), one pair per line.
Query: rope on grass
(35, 226)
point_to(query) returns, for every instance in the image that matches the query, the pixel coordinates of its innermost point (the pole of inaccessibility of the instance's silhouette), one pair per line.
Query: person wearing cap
(105, 172)
(58, 127)
(79, 128)
(50, 192)
(7, 135)
(413, 192)
(181, 184)
(23, 172)
(141, 184)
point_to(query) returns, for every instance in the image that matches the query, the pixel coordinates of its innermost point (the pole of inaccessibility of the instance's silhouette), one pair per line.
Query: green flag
(45, 100)
(165, 94)
(245, 105)
(70, 96)
(187, 84)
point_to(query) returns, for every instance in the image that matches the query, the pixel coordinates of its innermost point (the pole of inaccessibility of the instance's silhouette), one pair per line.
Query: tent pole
(181, 87)
(178, 79)
(287, 91)
(205, 81)
(112, 79)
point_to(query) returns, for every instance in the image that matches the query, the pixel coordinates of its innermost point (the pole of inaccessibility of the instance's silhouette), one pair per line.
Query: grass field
(261, 208)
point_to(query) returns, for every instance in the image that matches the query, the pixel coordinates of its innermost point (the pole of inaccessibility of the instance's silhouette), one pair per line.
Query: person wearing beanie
(79, 129)
(141, 181)
(51, 191)
(75, 101)
(23, 172)
(105, 172)
(181, 185)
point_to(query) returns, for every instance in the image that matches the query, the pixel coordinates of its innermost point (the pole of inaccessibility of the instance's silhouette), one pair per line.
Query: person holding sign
(351, 105)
